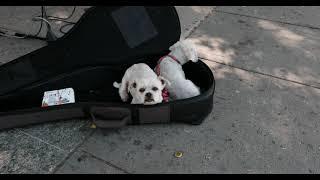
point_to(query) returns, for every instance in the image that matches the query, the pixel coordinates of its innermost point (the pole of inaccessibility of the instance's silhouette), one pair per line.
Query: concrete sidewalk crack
(266, 19)
(59, 165)
(36, 138)
(106, 162)
(188, 34)
(261, 73)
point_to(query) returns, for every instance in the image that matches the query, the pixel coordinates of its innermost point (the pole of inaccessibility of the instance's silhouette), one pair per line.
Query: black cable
(31, 37)
(36, 35)
(62, 27)
(54, 18)
(22, 35)
(58, 18)
(50, 18)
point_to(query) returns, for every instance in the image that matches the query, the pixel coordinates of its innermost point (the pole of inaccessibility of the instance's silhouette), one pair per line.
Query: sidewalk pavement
(266, 106)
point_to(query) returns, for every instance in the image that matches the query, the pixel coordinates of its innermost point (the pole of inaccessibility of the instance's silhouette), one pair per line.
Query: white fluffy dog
(170, 68)
(143, 84)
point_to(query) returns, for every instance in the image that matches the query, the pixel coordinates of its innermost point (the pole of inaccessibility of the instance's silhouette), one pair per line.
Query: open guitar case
(89, 58)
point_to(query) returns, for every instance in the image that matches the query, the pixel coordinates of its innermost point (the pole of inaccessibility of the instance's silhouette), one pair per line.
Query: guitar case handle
(110, 117)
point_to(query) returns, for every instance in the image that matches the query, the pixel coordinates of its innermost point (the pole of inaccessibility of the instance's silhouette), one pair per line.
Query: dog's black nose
(148, 95)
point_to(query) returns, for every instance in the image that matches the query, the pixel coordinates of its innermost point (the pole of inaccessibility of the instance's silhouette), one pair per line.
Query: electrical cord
(15, 34)
(42, 12)
(62, 27)
(68, 23)
(58, 18)
(11, 36)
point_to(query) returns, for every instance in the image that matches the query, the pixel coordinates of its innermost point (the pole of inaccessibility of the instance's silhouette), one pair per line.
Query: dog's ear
(164, 82)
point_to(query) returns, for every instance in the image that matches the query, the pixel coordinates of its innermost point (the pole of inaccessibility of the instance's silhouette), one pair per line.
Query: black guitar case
(89, 58)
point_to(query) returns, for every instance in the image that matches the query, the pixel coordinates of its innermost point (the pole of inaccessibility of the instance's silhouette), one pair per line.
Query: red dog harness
(165, 92)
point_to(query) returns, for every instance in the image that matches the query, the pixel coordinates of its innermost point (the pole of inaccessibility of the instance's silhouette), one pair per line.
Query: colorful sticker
(58, 97)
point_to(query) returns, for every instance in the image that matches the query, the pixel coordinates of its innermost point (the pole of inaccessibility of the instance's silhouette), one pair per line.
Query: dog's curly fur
(142, 83)
(179, 87)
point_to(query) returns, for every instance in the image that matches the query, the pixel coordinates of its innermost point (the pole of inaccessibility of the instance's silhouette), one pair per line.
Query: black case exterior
(89, 58)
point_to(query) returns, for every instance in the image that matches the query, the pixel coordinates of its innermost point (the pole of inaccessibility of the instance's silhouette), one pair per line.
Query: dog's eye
(134, 85)
(141, 90)
(155, 89)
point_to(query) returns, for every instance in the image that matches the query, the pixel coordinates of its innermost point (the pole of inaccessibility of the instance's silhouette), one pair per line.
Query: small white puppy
(170, 68)
(142, 83)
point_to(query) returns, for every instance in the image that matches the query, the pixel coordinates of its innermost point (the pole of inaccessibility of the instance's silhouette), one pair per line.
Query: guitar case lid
(102, 36)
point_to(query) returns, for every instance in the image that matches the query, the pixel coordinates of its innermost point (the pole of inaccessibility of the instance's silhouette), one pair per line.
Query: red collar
(158, 66)
(172, 57)
(165, 93)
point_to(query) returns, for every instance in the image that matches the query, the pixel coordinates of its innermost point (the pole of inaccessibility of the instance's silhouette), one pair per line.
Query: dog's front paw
(124, 97)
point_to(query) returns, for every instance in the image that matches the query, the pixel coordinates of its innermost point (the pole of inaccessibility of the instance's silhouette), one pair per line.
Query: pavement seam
(199, 23)
(105, 162)
(59, 165)
(36, 138)
(266, 19)
(260, 73)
